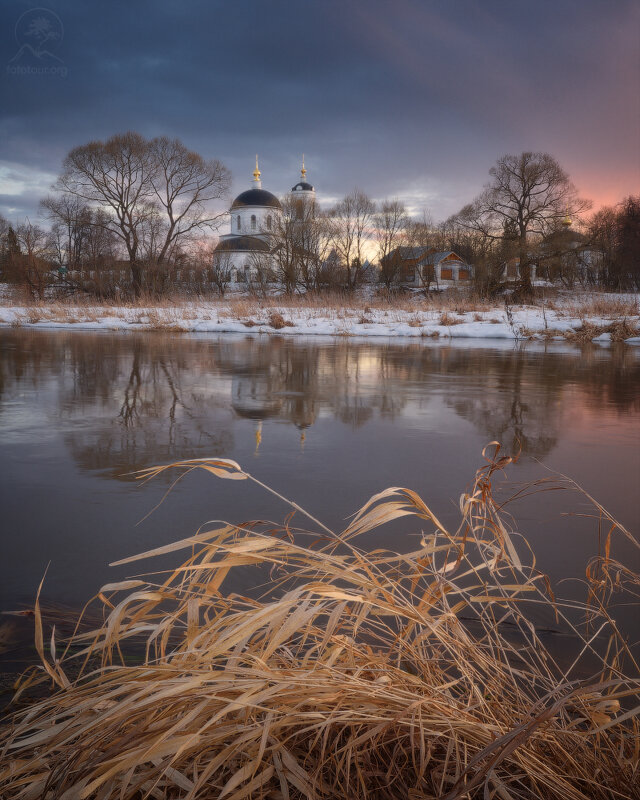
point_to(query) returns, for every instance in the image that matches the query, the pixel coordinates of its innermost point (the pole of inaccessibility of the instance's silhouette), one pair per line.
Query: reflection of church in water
(282, 387)
(255, 218)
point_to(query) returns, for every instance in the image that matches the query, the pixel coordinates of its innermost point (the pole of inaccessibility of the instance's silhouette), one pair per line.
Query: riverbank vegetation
(550, 315)
(423, 673)
(130, 216)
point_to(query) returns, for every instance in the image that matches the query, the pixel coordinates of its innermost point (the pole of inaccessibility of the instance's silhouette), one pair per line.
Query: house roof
(423, 255)
(436, 258)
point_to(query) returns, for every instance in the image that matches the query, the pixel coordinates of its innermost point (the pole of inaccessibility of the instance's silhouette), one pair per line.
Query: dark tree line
(614, 233)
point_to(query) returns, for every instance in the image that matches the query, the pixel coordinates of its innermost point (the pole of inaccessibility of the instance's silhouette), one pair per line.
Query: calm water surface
(327, 423)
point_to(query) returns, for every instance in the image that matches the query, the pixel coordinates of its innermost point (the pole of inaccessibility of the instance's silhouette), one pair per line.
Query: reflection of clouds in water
(128, 401)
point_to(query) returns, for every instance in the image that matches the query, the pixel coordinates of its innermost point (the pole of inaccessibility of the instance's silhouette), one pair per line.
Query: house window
(253, 222)
(238, 222)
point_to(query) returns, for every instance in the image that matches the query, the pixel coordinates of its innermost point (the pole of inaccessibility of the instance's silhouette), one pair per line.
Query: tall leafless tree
(530, 192)
(300, 241)
(155, 192)
(185, 185)
(392, 231)
(351, 220)
(614, 244)
(70, 219)
(30, 262)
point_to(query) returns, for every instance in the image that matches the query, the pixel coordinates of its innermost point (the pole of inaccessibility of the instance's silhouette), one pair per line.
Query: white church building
(254, 218)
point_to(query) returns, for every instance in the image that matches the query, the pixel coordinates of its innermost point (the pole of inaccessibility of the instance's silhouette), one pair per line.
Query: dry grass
(602, 305)
(246, 305)
(447, 319)
(620, 330)
(277, 321)
(336, 302)
(166, 319)
(590, 314)
(623, 329)
(358, 674)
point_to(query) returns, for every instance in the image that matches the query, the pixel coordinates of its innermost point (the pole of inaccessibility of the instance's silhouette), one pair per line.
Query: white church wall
(253, 220)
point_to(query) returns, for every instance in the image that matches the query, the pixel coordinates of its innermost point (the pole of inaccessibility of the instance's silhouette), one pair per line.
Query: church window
(269, 222)
(238, 222)
(253, 222)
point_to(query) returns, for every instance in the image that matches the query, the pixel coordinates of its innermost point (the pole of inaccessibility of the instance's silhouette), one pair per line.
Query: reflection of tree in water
(140, 399)
(157, 412)
(515, 408)
(124, 402)
(524, 392)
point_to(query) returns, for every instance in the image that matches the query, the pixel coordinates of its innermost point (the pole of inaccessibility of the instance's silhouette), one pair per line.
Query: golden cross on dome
(303, 171)
(256, 171)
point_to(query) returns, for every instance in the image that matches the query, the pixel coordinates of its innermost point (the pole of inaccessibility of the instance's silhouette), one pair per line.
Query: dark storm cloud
(413, 98)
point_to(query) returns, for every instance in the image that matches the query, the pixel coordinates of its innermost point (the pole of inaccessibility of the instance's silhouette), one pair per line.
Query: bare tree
(219, 267)
(614, 237)
(424, 237)
(286, 249)
(30, 263)
(312, 237)
(261, 273)
(184, 185)
(629, 243)
(70, 217)
(115, 175)
(81, 241)
(392, 228)
(299, 241)
(155, 192)
(9, 250)
(530, 192)
(100, 244)
(351, 222)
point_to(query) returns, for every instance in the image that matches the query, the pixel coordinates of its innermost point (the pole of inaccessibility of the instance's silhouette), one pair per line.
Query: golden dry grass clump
(357, 675)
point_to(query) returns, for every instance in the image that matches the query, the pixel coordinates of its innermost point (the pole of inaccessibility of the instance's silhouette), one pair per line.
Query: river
(326, 422)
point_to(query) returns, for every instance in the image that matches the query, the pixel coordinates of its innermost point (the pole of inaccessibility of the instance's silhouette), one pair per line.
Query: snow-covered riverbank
(612, 318)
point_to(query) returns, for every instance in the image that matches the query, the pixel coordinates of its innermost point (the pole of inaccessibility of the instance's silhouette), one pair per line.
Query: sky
(407, 99)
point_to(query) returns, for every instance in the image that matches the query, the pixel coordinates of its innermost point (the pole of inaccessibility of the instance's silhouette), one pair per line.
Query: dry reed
(357, 675)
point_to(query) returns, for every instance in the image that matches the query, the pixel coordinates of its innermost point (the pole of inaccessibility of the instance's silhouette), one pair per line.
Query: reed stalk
(354, 674)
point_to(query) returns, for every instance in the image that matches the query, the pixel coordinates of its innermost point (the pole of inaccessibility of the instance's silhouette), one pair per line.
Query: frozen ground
(599, 318)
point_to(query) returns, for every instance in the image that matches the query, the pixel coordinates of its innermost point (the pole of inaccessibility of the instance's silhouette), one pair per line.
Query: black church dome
(256, 197)
(302, 187)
